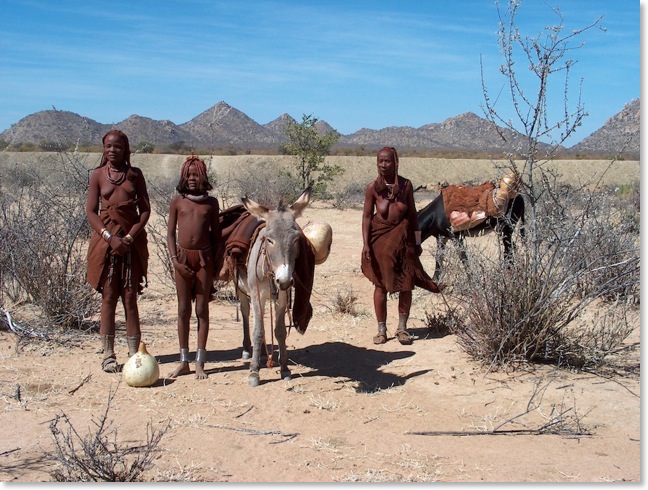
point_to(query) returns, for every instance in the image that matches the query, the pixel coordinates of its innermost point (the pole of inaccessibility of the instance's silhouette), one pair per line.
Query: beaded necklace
(121, 175)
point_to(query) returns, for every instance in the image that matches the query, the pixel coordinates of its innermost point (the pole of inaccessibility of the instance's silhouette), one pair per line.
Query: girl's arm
(171, 230)
(215, 227)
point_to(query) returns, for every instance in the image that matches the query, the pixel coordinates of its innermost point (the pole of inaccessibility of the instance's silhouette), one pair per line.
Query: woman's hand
(183, 270)
(119, 245)
(366, 253)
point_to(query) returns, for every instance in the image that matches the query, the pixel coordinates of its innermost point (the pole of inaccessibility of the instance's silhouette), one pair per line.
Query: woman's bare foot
(200, 370)
(183, 369)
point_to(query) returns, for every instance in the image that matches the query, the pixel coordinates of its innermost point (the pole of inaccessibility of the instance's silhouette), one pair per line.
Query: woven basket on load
(320, 236)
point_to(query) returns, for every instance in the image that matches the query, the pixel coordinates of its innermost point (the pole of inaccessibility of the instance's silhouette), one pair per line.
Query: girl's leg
(183, 289)
(204, 279)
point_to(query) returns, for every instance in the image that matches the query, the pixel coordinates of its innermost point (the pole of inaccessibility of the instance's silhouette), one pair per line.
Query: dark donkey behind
(433, 221)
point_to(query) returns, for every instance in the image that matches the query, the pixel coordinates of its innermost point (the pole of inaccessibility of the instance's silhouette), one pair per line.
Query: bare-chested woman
(392, 244)
(118, 209)
(195, 215)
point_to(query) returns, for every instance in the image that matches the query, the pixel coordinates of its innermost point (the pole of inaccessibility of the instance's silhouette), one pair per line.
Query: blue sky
(352, 63)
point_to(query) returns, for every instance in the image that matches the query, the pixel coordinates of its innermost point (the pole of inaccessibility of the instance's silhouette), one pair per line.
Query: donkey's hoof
(246, 354)
(286, 376)
(253, 379)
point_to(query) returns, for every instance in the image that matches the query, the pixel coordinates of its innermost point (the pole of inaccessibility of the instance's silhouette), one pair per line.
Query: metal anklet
(184, 355)
(201, 355)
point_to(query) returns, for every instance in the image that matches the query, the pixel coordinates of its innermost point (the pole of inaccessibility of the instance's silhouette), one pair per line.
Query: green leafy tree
(310, 148)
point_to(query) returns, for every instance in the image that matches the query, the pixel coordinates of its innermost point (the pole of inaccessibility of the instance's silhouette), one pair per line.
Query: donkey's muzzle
(283, 277)
(284, 284)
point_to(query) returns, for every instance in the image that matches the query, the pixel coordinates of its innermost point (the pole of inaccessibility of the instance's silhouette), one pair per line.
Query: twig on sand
(84, 381)
(259, 432)
(5, 453)
(7, 321)
(241, 414)
(510, 432)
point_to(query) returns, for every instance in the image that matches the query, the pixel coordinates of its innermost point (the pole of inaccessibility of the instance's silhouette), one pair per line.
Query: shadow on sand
(330, 359)
(359, 364)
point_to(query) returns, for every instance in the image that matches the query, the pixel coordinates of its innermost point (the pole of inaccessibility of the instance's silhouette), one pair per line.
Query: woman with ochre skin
(392, 244)
(117, 208)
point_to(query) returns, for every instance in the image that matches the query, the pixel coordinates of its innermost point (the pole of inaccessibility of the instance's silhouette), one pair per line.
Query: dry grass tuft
(345, 302)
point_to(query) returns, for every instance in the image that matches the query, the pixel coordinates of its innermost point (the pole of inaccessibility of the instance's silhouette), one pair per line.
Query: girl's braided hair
(201, 168)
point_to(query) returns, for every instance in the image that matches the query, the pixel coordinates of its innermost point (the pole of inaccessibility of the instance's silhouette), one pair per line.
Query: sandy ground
(353, 411)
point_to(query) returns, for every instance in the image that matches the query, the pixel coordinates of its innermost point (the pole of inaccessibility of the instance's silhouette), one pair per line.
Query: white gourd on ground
(142, 369)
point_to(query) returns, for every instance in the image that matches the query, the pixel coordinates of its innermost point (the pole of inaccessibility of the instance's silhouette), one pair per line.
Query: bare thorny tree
(43, 223)
(546, 56)
(100, 455)
(581, 246)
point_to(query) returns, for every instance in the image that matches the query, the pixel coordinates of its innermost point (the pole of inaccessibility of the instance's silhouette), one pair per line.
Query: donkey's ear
(302, 201)
(255, 208)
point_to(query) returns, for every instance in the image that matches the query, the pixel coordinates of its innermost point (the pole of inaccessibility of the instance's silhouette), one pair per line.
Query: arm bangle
(106, 235)
(128, 239)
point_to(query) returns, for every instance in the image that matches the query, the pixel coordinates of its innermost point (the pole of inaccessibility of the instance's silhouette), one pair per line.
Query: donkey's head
(282, 235)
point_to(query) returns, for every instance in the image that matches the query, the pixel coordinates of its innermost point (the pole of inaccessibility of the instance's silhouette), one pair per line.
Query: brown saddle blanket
(238, 226)
(467, 206)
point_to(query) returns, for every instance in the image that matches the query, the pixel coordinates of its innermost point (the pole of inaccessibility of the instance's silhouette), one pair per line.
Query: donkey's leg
(506, 235)
(257, 339)
(463, 255)
(244, 304)
(440, 255)
(280, 334)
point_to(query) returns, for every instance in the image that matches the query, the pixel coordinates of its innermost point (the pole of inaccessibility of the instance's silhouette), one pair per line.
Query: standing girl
(193, 235)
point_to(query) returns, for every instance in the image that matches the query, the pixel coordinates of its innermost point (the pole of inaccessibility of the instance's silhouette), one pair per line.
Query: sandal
(404, 337)
(380, 338)
(109, 365)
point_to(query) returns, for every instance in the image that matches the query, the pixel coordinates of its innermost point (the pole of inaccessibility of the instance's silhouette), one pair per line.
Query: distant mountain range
(223, 127)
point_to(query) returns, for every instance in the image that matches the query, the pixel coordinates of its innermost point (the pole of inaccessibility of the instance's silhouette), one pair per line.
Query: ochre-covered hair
(380, 184)
(201, 168)
(124, 140)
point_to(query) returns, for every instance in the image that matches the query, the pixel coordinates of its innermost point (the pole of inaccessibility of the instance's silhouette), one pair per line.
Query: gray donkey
(269, 275)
